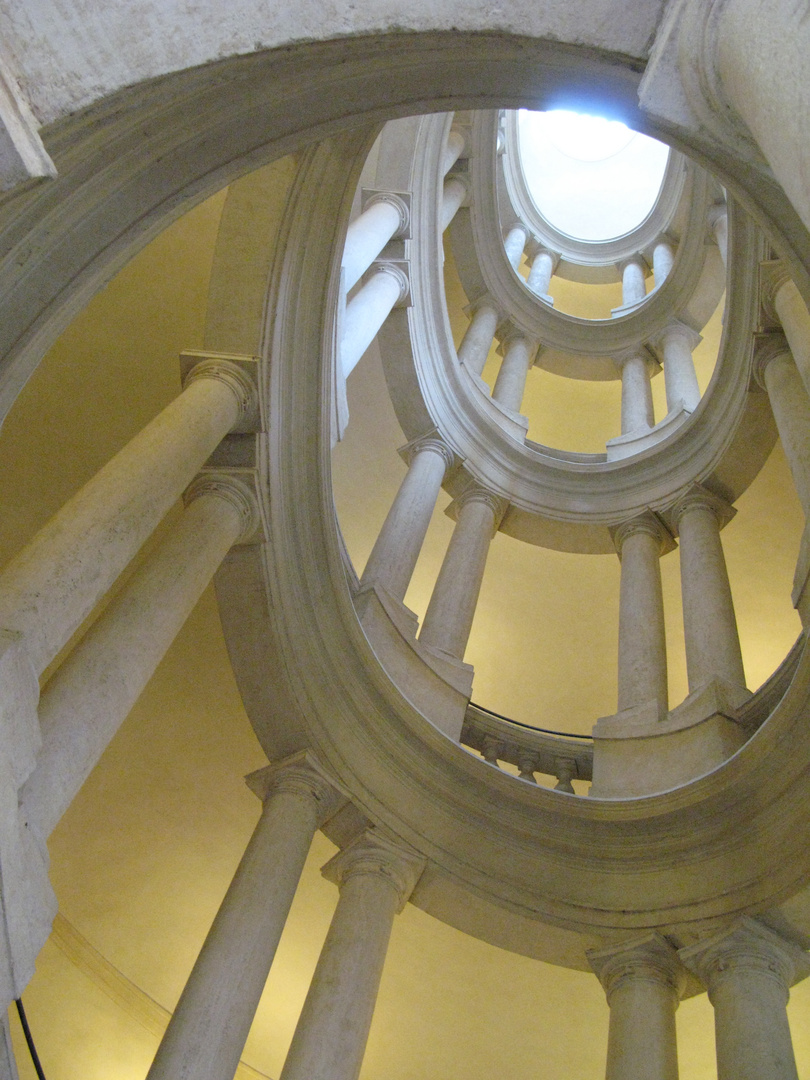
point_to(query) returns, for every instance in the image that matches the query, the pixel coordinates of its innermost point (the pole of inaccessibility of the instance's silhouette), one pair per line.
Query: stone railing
(532, 750)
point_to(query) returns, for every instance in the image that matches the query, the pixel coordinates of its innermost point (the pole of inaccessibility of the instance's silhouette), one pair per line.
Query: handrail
(529, 727)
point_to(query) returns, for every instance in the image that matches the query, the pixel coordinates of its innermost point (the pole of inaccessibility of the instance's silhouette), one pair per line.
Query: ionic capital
(226, 485)
(717, 211)
(238, 382)
(536, 247)
(477, 493)
(649, 959)
(431, 443)
(513, 227)
(484, 302)
(634, 260)
(767, 347)
(646, 523)
(641, 352)
(699, 498)
(675, 329)
(748, 947)
(301, 775)
(399, 272)
(372, 854)
(401, 204)
(773, 275)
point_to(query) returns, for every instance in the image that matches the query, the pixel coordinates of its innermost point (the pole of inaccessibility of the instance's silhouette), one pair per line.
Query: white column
(367, 311)
(675, 344)
(634, 286)
(385, 216)
(718, 223)
(514, 243)
(375, 877)
(474, 349)
(663, 258)
(642, 641)
(783, 301)
(775, 369)
(748, 971)
(643, 981)
(93, 691)
(759, 72)
(510, 385)
(542, 269)
(449, 617)
(637, 402)
(454, 193)
(710, 626)
(453, 151)
(394, 555)
(56, 581)
(208, 1029)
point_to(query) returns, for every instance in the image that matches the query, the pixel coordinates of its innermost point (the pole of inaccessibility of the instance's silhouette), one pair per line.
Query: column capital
(300, 774)
(535, 247)
(475, 492)
(401, 201)
(773, 275)
(747, 946)
(767, 347)
(717, 211)
(399, 271)
(509, 335)
(517, 225)
(372, 853)
(698, 497)
(646, 522)
(226, 485)
(637, 259)
(642, 352)
(433, 443)
(483, 301)
(649, 959)
(675, 328)
(237, 373)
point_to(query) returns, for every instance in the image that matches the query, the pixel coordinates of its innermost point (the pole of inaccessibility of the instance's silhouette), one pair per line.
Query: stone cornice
(372, 853)
(647, 959)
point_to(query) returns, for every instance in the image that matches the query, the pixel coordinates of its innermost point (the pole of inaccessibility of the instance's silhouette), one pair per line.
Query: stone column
(454, 193)
(368, 309)
(93, 691)
(453, 151)
(384, 217)
(718, 223)
(663, 259)
(783, 302)
(394, 555)
(518, 353)
(375, 877)
(675, 344)
(474, 349)
(642, 642)
(776, 371)
(207, 1032)
(748, 971)
(58, 578)
(637, 402)
(451, 610)
(544, 263)
(634, 287)
(710, 626)
(643, 981)
(514, 243)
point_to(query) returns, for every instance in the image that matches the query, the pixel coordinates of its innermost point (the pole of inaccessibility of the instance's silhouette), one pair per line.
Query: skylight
(591, 178)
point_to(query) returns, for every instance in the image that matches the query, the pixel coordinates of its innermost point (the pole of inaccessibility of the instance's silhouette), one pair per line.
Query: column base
(634, 442)
(635, 753)
(437, 684)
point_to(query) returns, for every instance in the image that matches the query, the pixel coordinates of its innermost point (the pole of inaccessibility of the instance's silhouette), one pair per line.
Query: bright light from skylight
(591, 178)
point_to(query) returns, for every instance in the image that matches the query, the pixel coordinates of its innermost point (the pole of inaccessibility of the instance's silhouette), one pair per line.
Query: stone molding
(225, 370)
(699, 497)
(400, 200)
(746, 946)
(648, 523)
(769, 346)
(648, 959)
(374, 854)
(300, 774)
(433, 443)
(226, 485)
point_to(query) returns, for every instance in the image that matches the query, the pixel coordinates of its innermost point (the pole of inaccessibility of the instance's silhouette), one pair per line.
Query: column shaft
(663, 258)
(367, 236)
(207, 1032)
(791, 409)
(710, 626)
(90, 695)
(795, 320)
(55, 582)
(511, 382)
(541, 272)
(679, 368)
(642, 641)
(718, 220)
(453, 151)
(474, 349)
(366, 312)
(394, 555)
(637, 402)
(449, 617)
(453, 194)
(514, 244)
(634, 287)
